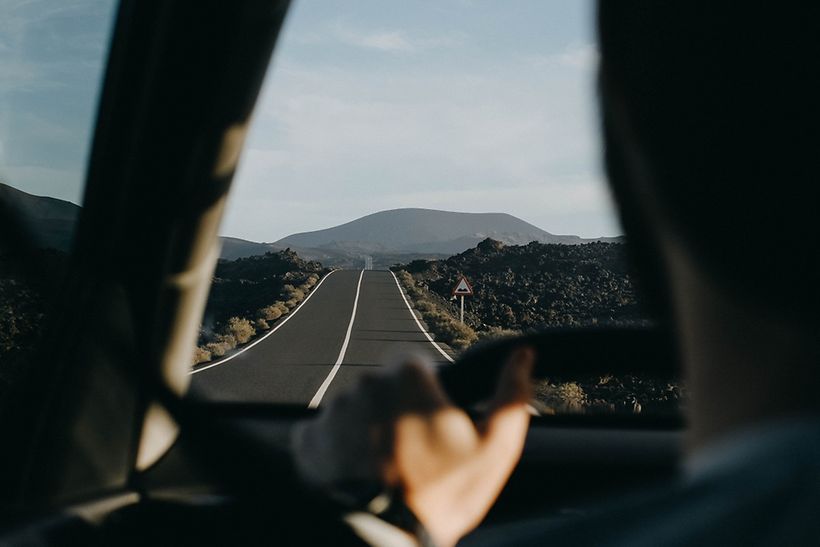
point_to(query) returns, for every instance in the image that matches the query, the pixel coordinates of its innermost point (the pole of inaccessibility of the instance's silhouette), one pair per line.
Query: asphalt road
(323, 346)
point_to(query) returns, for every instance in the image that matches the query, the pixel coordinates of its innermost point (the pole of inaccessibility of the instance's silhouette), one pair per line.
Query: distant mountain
(233, 248)
(425, 231)
(51, 221)
(387, 237)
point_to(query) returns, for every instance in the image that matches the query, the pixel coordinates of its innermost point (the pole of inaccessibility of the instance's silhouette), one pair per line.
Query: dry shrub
(274, 311)
(309, 283)
(562, 398)
(238, 331)
(439, 320)
(497, 333)
(269, 313)
(241, 329)
(450, 329)
(227, 339)
(218, 349)
(292, 295)
(221, 344)
(201, 355)
(424, 306)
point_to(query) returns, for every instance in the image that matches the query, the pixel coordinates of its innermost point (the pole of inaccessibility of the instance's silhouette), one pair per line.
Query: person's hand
(399, 427)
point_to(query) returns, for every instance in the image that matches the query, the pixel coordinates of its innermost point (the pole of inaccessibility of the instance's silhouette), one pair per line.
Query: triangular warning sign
(462, 288)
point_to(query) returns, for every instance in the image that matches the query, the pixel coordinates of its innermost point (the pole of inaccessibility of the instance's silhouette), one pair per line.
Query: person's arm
(399, 429)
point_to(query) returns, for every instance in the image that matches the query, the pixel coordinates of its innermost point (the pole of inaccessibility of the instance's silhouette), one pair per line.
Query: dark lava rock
(540, 285)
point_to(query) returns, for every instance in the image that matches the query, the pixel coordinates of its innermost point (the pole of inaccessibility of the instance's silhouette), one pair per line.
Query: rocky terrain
(610, 394)
(23, 313)
(242, 286)
(523, 287)
(529, 287)
(247, 295)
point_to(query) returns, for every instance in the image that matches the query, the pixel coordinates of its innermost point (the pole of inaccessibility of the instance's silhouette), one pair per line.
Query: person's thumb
(506, 426)
(515, 379)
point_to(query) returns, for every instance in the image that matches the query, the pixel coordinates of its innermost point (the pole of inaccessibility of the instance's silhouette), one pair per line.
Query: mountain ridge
(50, 221)
(421, 230)
(388, 237)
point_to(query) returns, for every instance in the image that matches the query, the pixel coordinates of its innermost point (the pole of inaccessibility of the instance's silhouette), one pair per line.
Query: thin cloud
(16, 74)
(383, 41)
(511, 139)
(466, 126)
(388, 40)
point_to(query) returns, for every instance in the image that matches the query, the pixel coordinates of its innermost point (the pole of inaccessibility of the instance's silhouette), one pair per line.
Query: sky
(51, 58)
(464, 105)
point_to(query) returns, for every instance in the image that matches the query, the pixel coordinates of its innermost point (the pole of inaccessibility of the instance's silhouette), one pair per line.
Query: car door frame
(179, 89)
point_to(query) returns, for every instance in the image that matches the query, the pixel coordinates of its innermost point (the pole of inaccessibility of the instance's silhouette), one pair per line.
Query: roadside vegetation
(610, 394)
(522, 288)
(249, 295)
(534, 286)
(436, 313)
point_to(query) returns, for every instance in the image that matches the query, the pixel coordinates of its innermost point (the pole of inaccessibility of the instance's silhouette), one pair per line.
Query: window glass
(433, 140)
(52, 54)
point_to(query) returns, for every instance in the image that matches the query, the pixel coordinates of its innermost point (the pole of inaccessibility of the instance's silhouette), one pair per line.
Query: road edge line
(261, 338)
(314, 402)
(418, 323)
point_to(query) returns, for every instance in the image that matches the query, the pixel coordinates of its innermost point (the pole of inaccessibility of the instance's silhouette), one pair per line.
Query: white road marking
(274, 329)
(427, 334)
(314, 403)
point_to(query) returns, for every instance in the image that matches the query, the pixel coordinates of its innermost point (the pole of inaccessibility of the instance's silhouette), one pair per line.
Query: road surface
(352, 321)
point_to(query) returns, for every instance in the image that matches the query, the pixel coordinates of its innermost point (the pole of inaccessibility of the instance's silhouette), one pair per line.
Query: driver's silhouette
(711, 138)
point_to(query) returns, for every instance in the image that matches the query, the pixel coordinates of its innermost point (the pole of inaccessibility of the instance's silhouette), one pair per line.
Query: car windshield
(420, 178)
(52, 55)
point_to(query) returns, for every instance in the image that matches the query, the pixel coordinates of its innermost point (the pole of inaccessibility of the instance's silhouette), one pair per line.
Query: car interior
(105, 447)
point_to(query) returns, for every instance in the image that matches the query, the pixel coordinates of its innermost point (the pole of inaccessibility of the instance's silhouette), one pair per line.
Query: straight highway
(351, 323)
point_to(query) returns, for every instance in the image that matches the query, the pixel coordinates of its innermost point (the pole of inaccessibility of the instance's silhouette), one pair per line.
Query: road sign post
(462, 289)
